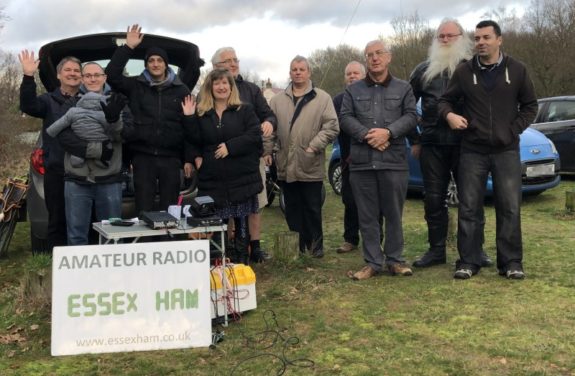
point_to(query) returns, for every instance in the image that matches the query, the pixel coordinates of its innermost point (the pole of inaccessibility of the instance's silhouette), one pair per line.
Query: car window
(134, 67)
(561, 110)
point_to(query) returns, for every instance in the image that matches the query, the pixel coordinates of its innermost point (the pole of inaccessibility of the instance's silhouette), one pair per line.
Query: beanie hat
(156, 51)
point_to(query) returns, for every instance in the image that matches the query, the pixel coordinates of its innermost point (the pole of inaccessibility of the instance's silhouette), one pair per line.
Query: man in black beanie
(156, 137)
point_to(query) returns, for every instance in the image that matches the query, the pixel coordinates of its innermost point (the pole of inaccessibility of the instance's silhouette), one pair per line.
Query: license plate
(540, 170)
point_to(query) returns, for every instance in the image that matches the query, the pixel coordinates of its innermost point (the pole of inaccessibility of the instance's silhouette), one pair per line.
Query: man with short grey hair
(378, 112)
(307, 124)
(226, 58)
(354, 71)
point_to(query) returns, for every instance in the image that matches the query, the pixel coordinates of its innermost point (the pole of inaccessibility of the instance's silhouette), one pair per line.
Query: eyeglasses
(448, 36)
(229, 61)
(378, 53)
(95, 75)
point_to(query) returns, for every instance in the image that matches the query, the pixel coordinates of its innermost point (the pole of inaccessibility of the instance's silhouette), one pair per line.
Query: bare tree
(412, 36)
(9, 83)
(547, 45)
(328, 65)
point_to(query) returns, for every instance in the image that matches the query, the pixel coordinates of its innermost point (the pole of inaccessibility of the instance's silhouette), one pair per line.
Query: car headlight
(553, 148)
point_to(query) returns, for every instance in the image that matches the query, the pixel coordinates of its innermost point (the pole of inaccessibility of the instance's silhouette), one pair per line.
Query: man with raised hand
(156, 137)
(50, 107)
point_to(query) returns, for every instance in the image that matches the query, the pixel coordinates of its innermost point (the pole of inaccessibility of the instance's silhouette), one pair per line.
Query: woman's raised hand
(189, 105)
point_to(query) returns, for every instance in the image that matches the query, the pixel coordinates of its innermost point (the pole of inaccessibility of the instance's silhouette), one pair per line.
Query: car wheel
(452, 198)
(38, 245)
(334, 176)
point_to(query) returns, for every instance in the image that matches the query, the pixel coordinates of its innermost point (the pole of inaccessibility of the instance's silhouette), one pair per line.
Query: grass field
(427, 324)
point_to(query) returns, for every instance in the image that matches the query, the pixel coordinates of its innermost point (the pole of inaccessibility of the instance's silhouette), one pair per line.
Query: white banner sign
(130, 297)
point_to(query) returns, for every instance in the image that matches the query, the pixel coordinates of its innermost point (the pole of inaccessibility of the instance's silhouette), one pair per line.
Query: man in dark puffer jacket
(156, 138)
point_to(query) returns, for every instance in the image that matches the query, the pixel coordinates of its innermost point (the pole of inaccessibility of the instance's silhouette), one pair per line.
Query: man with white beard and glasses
(439, 153)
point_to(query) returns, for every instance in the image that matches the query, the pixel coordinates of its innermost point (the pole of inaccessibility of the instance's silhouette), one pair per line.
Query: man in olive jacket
(307, 124)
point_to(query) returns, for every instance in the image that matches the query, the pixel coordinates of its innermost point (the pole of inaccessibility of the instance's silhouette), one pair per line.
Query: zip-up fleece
(497, 117)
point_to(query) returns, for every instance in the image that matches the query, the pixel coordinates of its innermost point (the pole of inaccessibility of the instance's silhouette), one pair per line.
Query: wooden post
(286, 246)
(570, 201)
(452, 225)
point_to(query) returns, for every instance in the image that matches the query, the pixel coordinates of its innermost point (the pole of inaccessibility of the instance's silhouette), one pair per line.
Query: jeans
(54, 197)
(80, 198)
(303, 213)
(505, 169)
(380, 193)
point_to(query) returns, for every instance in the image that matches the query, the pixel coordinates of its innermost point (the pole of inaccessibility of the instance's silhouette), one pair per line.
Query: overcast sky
(266, 34)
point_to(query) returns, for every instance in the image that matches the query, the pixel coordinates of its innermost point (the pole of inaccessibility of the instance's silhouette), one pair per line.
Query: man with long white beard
(439, 155)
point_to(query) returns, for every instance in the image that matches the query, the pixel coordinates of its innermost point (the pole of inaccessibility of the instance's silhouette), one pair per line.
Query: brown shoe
(346, 247)
(365, 273)
(399, 269)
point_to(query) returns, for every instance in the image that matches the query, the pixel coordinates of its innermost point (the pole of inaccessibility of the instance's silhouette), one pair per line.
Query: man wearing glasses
(93, 181)
(226, 58)
(499, 102)
(378, 112)
(439, 156)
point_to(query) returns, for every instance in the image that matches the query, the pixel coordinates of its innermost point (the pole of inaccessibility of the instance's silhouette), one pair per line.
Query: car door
(559, 126)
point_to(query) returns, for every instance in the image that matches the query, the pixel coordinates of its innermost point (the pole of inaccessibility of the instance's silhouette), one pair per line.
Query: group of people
(474, 108)
(95, 114)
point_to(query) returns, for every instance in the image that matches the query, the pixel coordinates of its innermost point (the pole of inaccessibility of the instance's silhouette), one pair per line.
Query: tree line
(543, 38)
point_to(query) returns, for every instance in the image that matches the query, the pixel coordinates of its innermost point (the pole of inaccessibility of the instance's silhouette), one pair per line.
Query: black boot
(242, 255)
(430, 258)
(241, 236)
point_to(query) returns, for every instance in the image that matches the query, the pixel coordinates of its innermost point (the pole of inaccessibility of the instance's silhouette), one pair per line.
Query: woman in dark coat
(226, 143)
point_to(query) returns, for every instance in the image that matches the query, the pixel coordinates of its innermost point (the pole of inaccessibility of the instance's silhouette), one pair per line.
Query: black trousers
(54, 198)
(303, 213)
(437, 165)
(350, 218)
(152, 171)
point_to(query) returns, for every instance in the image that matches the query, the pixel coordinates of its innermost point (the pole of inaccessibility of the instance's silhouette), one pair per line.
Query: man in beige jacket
(307, 124)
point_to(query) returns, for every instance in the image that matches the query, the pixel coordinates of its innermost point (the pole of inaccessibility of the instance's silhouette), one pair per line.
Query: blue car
(539, 160)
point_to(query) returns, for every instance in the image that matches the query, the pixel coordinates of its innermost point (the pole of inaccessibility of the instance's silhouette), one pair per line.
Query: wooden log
(286, 246)
(570, 201)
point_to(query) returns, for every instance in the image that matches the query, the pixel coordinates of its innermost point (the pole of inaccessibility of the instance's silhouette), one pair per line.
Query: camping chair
(11, 200)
